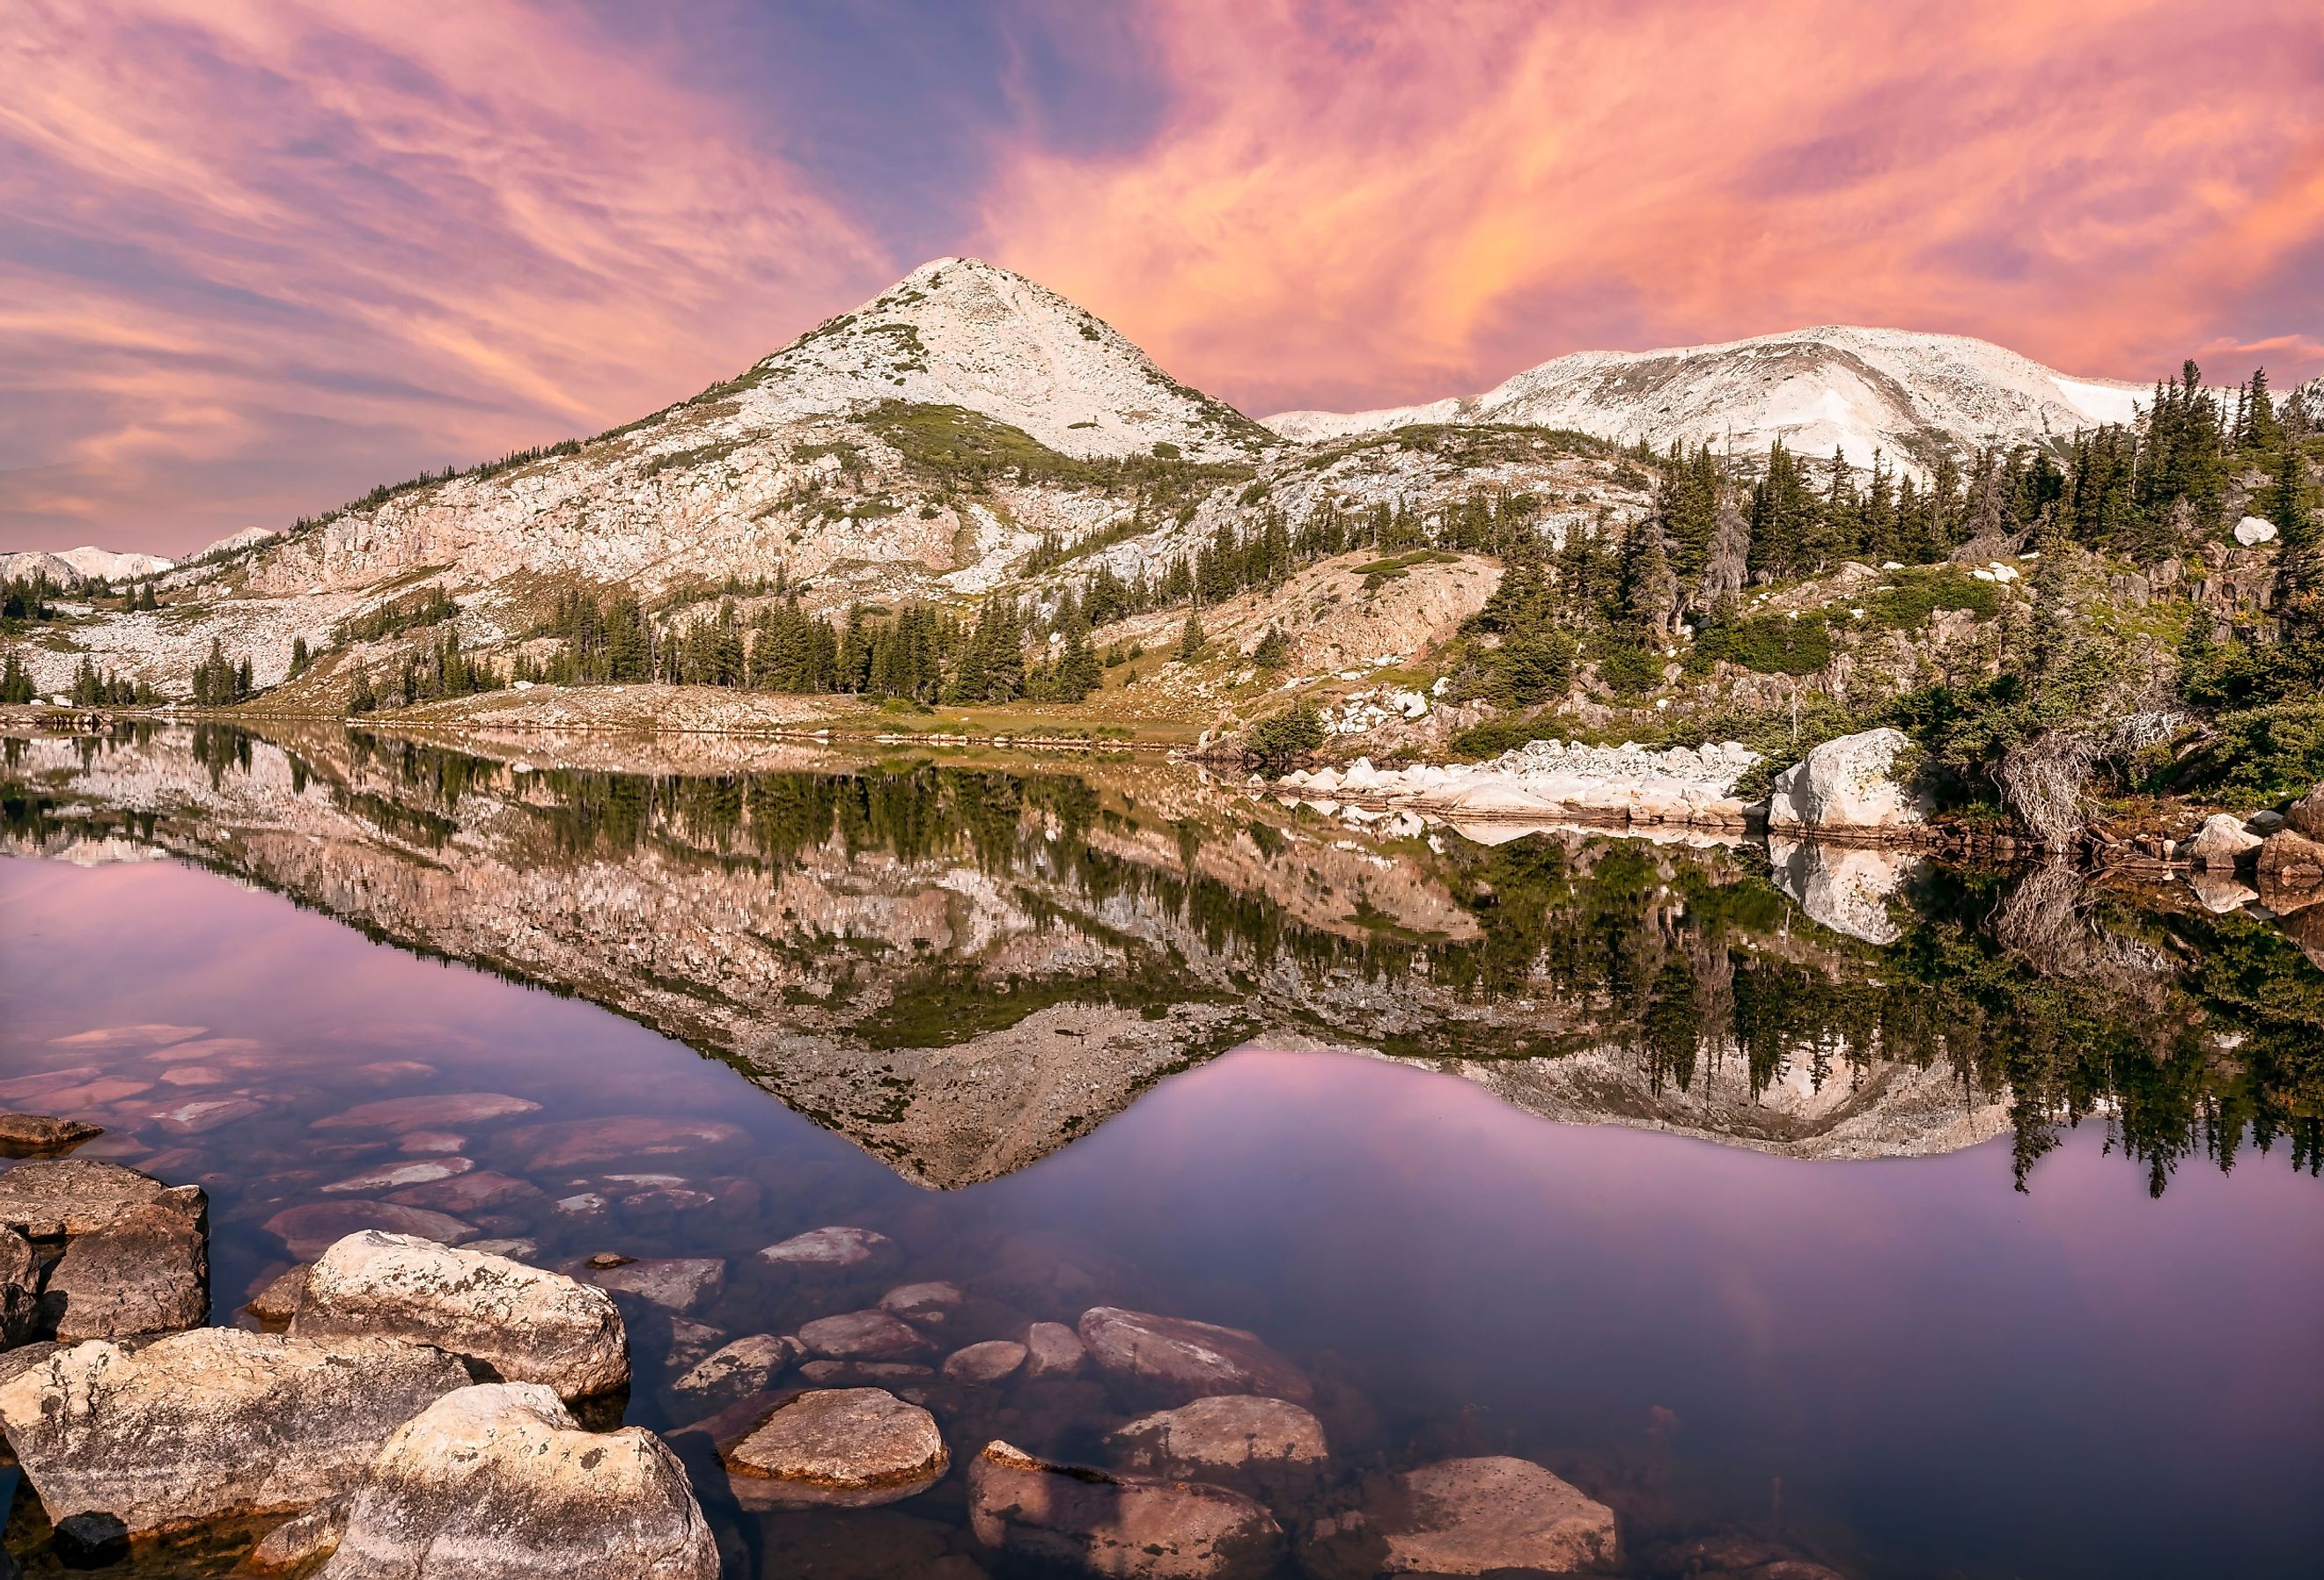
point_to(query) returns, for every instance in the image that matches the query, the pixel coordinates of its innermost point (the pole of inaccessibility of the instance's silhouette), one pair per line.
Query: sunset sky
(257, 257)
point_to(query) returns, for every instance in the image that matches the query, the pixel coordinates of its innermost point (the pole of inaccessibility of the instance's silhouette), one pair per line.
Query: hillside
(70, 566)
(1856, 390)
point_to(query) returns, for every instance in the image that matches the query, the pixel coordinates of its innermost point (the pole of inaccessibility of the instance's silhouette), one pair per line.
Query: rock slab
(527, 1325)
(843, 1447)
(1178, 1357)
(1044, 1513)
(44, 1199)
(497, 1482)
(1232, 1432)
(1469, 1517)
(212, 1422)
(146, 1272)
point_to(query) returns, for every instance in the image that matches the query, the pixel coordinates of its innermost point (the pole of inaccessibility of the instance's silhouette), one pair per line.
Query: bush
(1917, 595)
(2268, 753)
(1768, 645)
(1627, 665)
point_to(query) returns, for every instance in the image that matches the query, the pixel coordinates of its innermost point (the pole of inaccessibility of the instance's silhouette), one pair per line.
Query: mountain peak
(963, 332)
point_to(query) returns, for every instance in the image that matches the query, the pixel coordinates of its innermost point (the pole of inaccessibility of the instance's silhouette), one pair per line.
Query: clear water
(1990, 1249)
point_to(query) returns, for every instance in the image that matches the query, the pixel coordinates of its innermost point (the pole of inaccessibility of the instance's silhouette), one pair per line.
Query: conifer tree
(1191, 638)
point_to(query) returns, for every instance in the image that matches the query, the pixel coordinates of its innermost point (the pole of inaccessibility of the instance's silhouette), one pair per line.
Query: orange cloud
(1360, 203)
(261, 235)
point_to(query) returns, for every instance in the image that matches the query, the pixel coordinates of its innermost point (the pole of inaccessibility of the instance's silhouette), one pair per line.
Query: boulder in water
(1053, 1350)
(212, 1422)
(1040, 1513)
(527, 1325)
(1230, 1433)
(313, 1228)
(982, 1365)
(1466, 1517)
(499, 1481)
(146, 1272)
(1184, 1359)
(25, 1135)
(837, 1248)
(862, 1335)
(1847, 785)
(845, 1447)
(46, 1197)
(748, 1365)
(2220, 842)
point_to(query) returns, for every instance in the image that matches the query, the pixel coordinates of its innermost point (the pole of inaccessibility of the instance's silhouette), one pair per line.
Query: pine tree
(361, 698)
(15, 680)
(1191, 639)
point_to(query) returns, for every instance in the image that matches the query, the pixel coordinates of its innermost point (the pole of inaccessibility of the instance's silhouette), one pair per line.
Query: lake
(1909, 1221)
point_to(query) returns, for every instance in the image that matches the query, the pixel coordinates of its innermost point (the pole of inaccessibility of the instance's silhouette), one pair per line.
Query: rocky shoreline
(398, 1402)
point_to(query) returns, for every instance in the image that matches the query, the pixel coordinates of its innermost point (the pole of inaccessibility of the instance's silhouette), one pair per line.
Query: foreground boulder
(845, 1447)
(147, 1271)
(25, 1135)
(2291, 861)
(527, 1325)
(1844, 785)
(1466, 1517)
(1185, 1360)
(211, 1423)
(497, 1482)
(20, 1289)
(45, 1199)
(1231, 1433)
(1038, 1512)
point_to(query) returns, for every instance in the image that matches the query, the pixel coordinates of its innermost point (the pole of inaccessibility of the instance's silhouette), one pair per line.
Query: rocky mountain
(68, 567)
(1820, 390)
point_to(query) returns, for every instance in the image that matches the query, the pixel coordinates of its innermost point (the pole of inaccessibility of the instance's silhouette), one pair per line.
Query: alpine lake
(1806, 1206)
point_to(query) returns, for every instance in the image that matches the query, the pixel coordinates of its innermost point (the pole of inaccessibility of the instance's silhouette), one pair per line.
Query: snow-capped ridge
(1834, 387)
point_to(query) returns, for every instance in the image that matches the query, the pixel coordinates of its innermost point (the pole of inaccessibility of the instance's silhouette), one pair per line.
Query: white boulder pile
(1544, 780)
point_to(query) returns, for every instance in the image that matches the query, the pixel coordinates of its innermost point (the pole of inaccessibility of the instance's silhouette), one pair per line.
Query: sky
(256, 255)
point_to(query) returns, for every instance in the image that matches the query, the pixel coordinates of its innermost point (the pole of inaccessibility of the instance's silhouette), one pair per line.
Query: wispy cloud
(248, 247)
(1354, 202)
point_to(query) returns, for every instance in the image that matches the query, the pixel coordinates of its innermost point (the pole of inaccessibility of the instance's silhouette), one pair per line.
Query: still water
(1920, 1224)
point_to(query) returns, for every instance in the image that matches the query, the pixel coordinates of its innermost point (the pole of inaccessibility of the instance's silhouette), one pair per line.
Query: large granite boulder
(1845, 785)
(28, 1135)
(2291, 861)
(845, 1447)
(1038, 1512)
(1228, 1434)
(497, 1482)
(1181, 1360)
(20, 1289)
(2306, 814)
(44, 1199)
(2221, 842)
(214, 1422)
(527, 1325)
(146, 1272)
(1466, 1517)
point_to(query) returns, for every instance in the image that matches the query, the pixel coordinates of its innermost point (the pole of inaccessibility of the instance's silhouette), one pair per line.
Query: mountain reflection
(962, 965)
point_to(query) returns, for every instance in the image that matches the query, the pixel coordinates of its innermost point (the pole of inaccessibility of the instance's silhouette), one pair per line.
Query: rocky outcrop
(2306, 814)
(26, 1136)
(1551, 781)
(211, 1423)
(2288, 860)
(146, 1272)
(1846, 786)
(498, 1483)
(1466, 1517)
(528, 1325)
(2221, 842)
(20, 1289)
(1231, 1433)
(1183, 1360)
(841, 1448)
(44, 1199)
(1040, 1513)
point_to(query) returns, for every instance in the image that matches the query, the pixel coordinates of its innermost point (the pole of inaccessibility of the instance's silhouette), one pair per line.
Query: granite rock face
(497, 1482)
(212, 1422)
(146, 1272)
(20, 1289)
(1847, 785)
(44, 1199)
(1040, 1513)
(529, 1325)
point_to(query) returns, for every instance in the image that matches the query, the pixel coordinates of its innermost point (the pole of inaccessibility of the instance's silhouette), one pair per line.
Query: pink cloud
(1360, 203)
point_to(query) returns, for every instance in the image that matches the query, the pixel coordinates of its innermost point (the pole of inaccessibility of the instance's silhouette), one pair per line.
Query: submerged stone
(1176, 1355)
(1232, 1432)
(862, 1335)
(982, 1365)
(1042, 1512)
(1467, 1516)
(312, 1229)
(837, 1247)
(849, 1447)
(26, 1134)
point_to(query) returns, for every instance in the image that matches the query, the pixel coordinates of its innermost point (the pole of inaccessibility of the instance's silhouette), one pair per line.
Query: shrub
(2267, 752)
(1768, 645)
(1277, 740)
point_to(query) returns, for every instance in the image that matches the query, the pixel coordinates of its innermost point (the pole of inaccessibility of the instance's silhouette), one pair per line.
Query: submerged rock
(429, 1110)
(497, 1482)
(929, 1304)
(278, 1302)
(983, 1364)
(864, 1335)
(46, 1197)
(1845, 785)
(1233, 1432)
(849, 1447)
(1053, 1350)
(749, 1365)
(1188, 1359)
(147, 1271)
(1467, 1516)
(674, 1284)
(298, 1543)
(1035, 1511)
(839, 1247)
(212, 1422)
(529, 1325)
(24, 1136)
(314, 1228)
(575, 1144)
